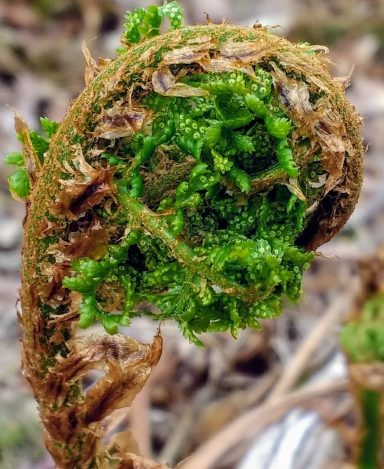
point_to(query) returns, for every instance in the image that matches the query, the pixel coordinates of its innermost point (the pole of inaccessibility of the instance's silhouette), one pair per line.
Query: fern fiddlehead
(191, 180)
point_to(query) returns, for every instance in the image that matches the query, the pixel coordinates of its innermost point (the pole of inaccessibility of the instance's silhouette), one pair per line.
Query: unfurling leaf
(19, 184)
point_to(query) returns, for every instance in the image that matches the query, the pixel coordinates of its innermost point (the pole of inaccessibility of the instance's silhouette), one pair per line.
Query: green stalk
(362, 339)
(371, 429)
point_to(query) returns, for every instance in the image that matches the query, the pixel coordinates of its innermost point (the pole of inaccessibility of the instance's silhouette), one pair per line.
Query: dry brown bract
(248, 52)
(78, 196)
(91, 68)
(91, 243)
(120, 122)
(188, 54)
(127, 365)
(32, 162)
(165, 84)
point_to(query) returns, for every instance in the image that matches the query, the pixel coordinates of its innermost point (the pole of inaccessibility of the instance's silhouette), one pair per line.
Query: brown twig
(252, 422)
(175, 441)
(300, 361)
(140, 421)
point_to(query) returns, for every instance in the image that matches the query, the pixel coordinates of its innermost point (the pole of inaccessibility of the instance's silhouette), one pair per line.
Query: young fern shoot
(191, 180)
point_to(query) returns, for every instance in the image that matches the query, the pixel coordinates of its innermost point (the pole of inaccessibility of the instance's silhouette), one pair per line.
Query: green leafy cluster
(91, 273)
(222, 123)
(144, 23)
(363, 339)
(18, 180)
(210, 254)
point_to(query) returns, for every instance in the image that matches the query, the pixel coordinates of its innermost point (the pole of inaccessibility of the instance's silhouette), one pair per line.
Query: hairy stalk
(191, 180)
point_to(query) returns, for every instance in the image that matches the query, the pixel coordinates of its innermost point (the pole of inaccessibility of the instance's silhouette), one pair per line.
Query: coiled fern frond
(191, 180)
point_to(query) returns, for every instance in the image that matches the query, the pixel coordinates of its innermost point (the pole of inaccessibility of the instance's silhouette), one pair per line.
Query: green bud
(19, 184)
(278, 127)
(50, 127)
(111, 323)
(88, 312)
(241, 179)
(14, 159)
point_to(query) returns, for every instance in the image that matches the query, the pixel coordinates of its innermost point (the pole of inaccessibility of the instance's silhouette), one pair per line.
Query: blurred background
(291, 378)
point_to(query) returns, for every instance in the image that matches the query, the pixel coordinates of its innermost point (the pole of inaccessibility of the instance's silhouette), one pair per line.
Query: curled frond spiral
(191, 180)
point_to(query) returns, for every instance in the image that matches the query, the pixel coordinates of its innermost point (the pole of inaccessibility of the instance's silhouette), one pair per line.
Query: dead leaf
(295, 189)
(188, 54)
(223, 64)
(127, 364)
(91, 243)
(91, 68)
(319, 122)
(52, 291)
(330, 132)
(78, 196)
(165, 84)
(120, 122)
(249, 51)
(294, 95)
(312, 70)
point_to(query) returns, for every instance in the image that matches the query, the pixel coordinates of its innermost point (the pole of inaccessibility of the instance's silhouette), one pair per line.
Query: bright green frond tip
(363, 339)
(50, 127)
(174, 12)
(14, 159)
(144, 23)
(19, 183)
